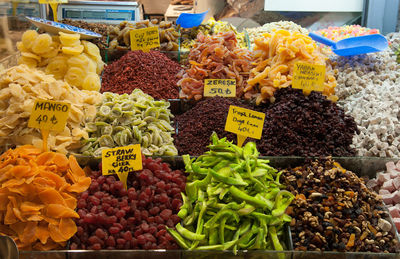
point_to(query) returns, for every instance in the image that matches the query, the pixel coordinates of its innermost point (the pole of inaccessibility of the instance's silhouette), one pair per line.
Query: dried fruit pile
(334, 211)
(115, 218)
(274, 58)
(65, 56)
(197, 124)
(305, 126)
(152, 72)
(37, 197)
(215, 57)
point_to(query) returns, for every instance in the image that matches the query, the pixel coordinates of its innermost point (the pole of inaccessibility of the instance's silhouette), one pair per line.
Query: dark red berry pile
(112, 217)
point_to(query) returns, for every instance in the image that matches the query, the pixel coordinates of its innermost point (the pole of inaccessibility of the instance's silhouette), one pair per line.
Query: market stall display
(38, 197)
(66, 57)
(299, 125)
(123, 120)
(215, 57)
(20, 86)
(112, 217)
(333, 210)
(233, 201)
(152, 72)
(274, 58)
(169, 34)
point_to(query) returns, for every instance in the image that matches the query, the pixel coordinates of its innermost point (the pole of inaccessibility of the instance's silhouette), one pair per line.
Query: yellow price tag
(49, 115)
(245, 123)
(121, 161)
(145, 39)
(220, 87)
(308, 77)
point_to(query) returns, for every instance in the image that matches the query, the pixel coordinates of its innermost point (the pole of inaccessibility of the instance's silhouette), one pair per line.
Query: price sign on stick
(245, 123)
(308, 77)
(145, 39)
(49, 116)
(121, 161)
(220, 87)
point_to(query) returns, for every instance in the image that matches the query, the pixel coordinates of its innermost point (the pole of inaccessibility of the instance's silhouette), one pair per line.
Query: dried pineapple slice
(100, 67)
(72, 50)
(91, 48)
(28, 38)
(91, 82)
(31, 55)
(30, 62)
(42, 43)
(57, 66)
(21, 47)
(69, 40)
(53, 50)
(44, 62)
(82, 61)
(56, 39)
(75, 76)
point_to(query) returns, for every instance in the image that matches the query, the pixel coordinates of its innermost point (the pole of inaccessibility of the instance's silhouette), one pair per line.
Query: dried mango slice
(28, 235)
(28, 206)
(51, 196)
(80, 186)
(42, 232)
(91, 82)
(60, 211)
(28, 38)
(20, 171)
(45, 158)
(68, 228)
(55, 233)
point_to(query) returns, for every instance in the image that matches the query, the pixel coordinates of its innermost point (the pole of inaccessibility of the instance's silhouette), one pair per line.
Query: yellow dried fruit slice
(69, 40)
(91, 48)
(31, 55)
(21, 47)
(75, 76)
(82, 61)
(53, 51)
(56, 38)
(30, 62)
(42, 43)
(44, 62)
(91, 82)
(29, 37)
(100, 67)
(72, 50)
(58, 67)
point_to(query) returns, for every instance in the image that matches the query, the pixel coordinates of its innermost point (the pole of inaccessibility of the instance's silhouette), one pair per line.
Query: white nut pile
(368, 90)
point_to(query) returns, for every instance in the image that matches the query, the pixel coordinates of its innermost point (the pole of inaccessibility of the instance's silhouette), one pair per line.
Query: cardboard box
(174, 11)
(155, 7)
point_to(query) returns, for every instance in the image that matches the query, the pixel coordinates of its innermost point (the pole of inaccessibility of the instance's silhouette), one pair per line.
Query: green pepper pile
(233, 201)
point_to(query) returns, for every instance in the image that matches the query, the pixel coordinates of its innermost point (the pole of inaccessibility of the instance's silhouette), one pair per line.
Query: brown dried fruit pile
(334, 211)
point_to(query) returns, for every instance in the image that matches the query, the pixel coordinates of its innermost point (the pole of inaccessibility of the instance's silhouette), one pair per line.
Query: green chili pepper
(282, 201)
(189, 234)
(240, 195)
(225, 179)
(274, 239)
(179, 239)
(219, 214)
(197, 169)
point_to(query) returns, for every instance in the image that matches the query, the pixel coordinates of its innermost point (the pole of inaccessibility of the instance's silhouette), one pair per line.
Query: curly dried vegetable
(38, 197)
(274, 57)
(215, 57)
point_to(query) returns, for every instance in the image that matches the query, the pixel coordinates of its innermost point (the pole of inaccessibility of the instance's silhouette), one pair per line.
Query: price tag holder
(219, 87)
(245, 123)
(49, 115)
(308, 77)
(145, 39)
(121, 161)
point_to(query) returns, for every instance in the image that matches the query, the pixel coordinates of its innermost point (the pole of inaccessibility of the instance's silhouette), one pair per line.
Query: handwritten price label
(220, 87)
(121, 161)
(53, 1)
(245, 123)
(308, 77)
(49, 115)
(145, 39)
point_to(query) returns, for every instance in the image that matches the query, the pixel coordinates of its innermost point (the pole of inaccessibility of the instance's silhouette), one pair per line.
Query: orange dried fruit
(38, 197)
(60, 211)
